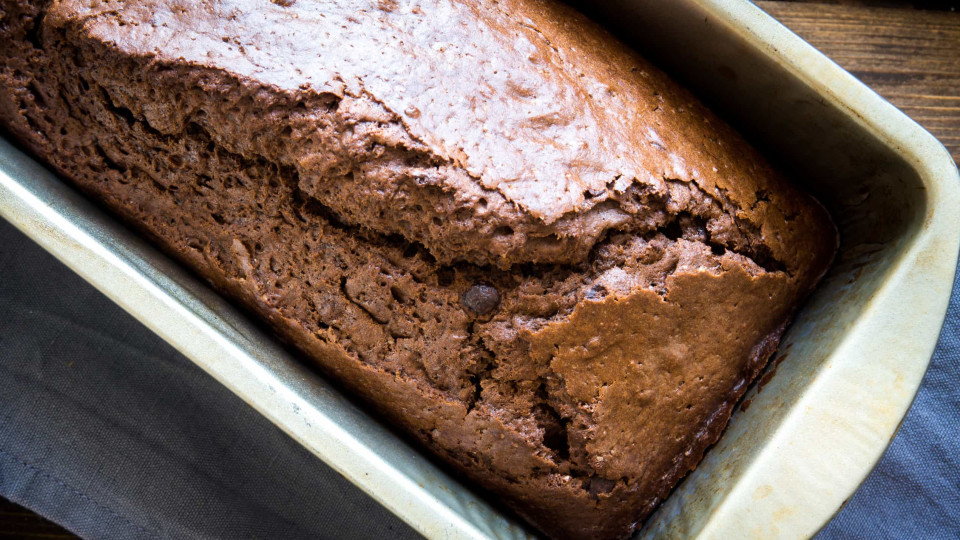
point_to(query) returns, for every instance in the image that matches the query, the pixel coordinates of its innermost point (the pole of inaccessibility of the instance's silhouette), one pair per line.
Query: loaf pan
(801, 442)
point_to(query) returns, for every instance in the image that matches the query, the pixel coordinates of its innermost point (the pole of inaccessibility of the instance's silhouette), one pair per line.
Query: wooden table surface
(908, 55)
(911, 57)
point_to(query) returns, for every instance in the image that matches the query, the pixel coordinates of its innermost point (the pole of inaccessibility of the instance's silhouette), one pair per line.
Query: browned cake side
(550, 265)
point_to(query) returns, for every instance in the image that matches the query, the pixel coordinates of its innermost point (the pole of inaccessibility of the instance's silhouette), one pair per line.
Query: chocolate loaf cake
(508, 233)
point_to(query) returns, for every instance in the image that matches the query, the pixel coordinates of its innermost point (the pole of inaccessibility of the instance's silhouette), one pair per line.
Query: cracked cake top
(483, 151)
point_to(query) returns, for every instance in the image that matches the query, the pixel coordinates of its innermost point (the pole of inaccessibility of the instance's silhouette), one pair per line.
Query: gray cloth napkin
(107, 430)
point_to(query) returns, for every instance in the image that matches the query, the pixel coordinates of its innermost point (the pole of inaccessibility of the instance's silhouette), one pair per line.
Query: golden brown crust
(580, 392)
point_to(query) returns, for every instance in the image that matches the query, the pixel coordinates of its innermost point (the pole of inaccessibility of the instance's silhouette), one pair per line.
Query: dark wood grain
(20, 523)
(912, 58)
(948, 5)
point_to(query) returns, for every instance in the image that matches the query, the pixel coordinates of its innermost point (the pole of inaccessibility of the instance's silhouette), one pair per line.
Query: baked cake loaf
(512, 236)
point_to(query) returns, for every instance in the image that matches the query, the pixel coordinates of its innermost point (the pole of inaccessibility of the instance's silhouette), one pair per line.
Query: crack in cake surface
(349, 145)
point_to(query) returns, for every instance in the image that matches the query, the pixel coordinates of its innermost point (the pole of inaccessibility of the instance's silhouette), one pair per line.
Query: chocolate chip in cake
(481, 299)
(598, 485)
(596, 292)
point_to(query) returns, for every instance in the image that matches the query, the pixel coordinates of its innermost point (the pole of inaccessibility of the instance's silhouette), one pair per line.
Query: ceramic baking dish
(846, 372)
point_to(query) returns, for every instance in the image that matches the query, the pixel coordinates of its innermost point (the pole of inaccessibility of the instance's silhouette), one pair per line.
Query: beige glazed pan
(846, 372)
